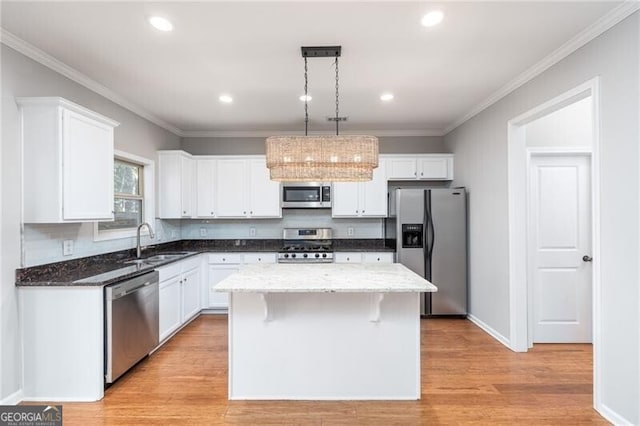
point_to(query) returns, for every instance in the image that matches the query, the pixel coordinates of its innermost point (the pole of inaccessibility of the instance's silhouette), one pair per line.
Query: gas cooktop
(306, 245)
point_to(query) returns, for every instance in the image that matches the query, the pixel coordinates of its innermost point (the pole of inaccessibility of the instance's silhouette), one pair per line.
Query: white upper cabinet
(362, 199)
(231, 186)
(419, 166)
(67, 162)
(264, 194)
(205, 187)
(235, 187)
(176, 178)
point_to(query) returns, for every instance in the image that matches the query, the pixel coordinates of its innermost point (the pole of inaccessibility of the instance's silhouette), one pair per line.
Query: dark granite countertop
(105, 269)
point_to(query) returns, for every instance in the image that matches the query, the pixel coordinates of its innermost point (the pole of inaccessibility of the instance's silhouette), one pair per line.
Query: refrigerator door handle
(432, 241)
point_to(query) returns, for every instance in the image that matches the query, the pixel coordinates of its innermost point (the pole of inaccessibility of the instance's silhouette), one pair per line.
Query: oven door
(305, 196)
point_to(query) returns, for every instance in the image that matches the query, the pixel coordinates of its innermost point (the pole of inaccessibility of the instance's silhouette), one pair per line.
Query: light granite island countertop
(327, 277)
(324, 331)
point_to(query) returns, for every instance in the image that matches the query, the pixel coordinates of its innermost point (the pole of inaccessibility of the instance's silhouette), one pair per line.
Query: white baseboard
(490, 331)
(612, 416)
(12, 399)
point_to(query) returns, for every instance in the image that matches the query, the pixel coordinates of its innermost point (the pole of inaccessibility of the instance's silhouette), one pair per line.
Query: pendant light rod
(306, 99)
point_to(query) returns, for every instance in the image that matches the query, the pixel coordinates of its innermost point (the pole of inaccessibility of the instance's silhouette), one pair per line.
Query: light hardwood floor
(467, 378)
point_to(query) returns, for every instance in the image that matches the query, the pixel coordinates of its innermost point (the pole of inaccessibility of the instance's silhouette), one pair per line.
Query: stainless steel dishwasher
(131, 323)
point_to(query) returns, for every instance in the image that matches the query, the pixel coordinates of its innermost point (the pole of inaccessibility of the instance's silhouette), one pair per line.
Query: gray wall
(23, 77)
(239, 146)
(480, 148)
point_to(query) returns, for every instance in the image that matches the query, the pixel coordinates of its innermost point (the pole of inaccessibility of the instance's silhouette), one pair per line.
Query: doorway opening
(532, 150)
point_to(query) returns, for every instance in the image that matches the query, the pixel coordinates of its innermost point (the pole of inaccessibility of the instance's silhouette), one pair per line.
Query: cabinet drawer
(348, 257)
(169, 271)
(382, 257)
(190, 263)
(225, 258)
(260, 258)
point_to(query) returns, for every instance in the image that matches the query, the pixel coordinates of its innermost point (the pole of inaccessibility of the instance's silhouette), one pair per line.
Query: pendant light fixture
(336, 158)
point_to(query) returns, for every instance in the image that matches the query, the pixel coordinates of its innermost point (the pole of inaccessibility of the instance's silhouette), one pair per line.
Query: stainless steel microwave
(306, 195)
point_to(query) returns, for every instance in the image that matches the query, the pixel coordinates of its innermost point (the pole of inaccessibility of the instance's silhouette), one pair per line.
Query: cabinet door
(373, 194)
(205, 187)
(345, 199)
(187, 184)
(190, 293)
(87, 171)
(231, 178)
(401, 168)
(169, 186)
(169, 308)
(219, 300)
(437, 168)
(264, 194)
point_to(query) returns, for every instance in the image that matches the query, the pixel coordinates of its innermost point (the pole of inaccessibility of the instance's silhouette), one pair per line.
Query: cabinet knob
(184, 212)
(356, 211)
(421, 174)
(348, 258)
(362, 211)
(251, 212)
(259, 259)
(244, 212)
(223, 259)
(211, 213)
(415, 173)
(378, 259)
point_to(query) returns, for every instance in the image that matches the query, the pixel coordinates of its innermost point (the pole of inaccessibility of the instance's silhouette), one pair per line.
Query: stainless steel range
(306, 245)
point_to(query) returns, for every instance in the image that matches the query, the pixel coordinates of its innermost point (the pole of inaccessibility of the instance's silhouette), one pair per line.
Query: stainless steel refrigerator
(430, 229)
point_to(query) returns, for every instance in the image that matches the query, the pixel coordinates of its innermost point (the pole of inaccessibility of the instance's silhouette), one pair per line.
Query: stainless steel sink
(159, 258)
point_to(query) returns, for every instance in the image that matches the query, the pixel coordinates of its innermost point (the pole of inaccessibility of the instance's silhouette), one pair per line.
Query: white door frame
(518, 169)
(547, 152)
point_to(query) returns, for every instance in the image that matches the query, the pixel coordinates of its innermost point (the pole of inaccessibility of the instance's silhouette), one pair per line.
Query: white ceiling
(252, 51)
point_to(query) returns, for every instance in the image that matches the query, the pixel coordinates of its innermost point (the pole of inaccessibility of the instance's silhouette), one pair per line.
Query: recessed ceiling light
(386, 96)
(305, 98)
(160, 23)
(226, 99)
(432, 18)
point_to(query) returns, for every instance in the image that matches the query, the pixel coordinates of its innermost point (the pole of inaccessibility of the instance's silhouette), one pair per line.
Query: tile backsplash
(43, 243)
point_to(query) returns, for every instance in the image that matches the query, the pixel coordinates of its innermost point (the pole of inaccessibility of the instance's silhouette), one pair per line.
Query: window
(133, 204)
(128, 203)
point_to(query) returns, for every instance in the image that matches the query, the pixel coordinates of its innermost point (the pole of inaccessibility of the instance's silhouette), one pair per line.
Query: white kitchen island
(324, 331)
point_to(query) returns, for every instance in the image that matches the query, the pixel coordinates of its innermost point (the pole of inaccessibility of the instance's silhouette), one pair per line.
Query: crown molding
(597, 28)
(267, 133)
(49, 61)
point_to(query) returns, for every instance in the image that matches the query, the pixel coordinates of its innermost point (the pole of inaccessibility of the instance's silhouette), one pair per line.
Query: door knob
(586, 258)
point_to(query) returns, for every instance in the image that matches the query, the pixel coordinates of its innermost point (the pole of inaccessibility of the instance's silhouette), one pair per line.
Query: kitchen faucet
(151, 235)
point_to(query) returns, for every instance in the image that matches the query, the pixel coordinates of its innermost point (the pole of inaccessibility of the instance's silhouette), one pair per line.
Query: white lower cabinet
(221, 265)
(170, 315)
(179, 293)
(364, 257)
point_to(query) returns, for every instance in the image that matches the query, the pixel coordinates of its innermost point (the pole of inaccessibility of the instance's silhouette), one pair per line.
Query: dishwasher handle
(120, 290)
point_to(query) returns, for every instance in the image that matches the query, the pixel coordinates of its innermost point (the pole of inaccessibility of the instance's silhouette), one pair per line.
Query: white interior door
(560, 236)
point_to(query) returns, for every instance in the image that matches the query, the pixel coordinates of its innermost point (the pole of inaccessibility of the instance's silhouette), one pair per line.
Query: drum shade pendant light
(348, 158)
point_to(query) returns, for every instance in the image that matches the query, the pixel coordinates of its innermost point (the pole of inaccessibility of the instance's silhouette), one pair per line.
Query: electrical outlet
(350, 231)
(67, 247)
(252, 231)
(203, 232)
